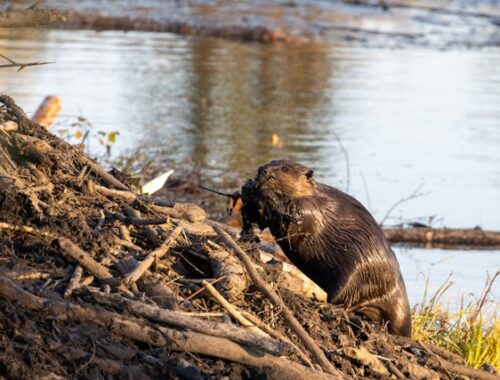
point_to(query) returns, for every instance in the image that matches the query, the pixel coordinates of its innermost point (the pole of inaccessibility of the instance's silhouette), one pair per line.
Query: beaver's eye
(284, 169)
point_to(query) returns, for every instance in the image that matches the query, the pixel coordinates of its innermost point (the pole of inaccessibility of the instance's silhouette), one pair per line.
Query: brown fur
(332, 238)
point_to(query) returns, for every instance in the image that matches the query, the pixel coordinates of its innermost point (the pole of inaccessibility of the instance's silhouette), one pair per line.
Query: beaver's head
(287, 178)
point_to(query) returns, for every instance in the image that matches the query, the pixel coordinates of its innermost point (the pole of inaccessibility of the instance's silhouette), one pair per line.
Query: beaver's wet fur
(330, 237)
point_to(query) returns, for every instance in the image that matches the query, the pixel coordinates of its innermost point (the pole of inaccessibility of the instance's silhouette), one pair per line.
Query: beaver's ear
(309, 174)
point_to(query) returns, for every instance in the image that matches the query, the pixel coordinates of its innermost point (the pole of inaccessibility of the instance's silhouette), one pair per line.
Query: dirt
(49, 194)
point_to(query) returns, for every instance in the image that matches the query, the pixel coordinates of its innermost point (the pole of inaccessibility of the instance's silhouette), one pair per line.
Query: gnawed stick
(47, 111)
(156, 254)
(86, 261)
(74, 281)
(232, 310)
(158, 336)
(306, 339)
(223, 330)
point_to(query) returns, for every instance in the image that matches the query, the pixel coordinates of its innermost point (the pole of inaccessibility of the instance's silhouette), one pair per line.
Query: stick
(20, 65)
(86, 261)
(232, 310)
(74, 282)
(108, 178)
(149, 231)
(156, 254)
(70, 249)
(306, 339)
(140, 221)
(276, 334)
(158, 336)
(223, 330)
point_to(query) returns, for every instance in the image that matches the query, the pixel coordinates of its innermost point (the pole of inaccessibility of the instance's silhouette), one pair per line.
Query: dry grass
(473, 331)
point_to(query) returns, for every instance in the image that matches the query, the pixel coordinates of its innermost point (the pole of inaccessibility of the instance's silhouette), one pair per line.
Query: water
(406, 118)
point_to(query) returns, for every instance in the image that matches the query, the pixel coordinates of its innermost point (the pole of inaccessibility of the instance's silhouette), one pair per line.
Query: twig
(156, 254)
(20, 65)
(395, 371)
(203, 288)
(232, 310)
(310, 344)
(413, 195)
(367, 193)
(487, 290)
(74, 281)
(346, 155)
(131, 212)
(276, 334)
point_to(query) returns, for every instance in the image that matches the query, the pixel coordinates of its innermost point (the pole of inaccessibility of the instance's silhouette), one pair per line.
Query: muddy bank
(98, 281)
(441, 24)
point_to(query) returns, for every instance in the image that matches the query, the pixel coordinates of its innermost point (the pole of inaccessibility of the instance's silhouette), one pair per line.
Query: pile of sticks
(82, 255)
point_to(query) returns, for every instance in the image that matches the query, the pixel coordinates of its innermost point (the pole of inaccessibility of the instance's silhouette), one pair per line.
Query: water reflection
(405, 117)
(241, 95)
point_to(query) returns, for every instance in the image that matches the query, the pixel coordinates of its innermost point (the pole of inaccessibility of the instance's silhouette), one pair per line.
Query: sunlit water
(406, 118)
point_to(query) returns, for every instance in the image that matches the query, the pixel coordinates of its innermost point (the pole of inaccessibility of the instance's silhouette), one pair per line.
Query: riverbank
(387, 23)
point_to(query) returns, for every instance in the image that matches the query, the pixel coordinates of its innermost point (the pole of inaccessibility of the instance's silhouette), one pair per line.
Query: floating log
(444, 236)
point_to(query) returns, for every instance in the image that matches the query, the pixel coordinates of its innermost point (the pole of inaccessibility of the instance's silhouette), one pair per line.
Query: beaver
(330, 237)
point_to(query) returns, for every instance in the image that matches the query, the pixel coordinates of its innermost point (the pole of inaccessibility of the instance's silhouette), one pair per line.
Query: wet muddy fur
(332, 238)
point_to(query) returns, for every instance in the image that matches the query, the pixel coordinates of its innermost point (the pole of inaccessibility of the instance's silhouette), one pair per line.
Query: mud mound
(100, 282)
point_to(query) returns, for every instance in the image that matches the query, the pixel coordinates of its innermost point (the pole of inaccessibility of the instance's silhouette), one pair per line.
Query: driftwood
(444, 236)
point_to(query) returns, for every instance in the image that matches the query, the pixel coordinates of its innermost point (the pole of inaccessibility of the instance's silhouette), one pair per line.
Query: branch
(159, 336)
(413, 195)
(20, 65)
(306, 339)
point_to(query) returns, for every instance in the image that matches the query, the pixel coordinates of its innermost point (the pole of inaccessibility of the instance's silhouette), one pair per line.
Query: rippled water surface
(404, 119)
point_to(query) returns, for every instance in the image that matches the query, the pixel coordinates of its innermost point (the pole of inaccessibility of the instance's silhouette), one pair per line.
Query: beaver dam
(99, 281)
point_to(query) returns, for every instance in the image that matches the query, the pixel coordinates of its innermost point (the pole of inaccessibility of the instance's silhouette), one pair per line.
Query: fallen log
(444, 236)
